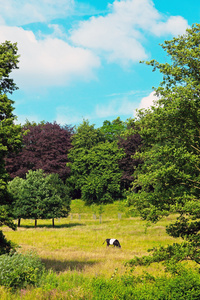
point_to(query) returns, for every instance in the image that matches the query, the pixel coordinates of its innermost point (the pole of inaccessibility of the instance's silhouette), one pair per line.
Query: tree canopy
(46, 147)
(170, 131)
(131, 142)
(95, 172)
(39, 196)
(113, 129)
(10, 133)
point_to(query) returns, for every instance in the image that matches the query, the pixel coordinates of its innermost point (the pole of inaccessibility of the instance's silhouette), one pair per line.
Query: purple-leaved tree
(46, 147)
(129, 163)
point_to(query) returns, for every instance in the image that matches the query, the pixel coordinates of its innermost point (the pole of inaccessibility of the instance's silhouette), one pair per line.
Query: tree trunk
(35, 223)
(19, 221)
(53, 222)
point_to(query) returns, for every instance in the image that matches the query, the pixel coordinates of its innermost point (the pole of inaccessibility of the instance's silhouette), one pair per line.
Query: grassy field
(74, 247)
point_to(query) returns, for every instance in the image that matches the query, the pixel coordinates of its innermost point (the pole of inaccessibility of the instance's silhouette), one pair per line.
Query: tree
(131, 142)
(101, 185)
(113, 130)
(86, 136)
(95, 172)
(40, 196)
(45, 146)
(15, 188)
(10, 133)
(84, 139)
(170, 131)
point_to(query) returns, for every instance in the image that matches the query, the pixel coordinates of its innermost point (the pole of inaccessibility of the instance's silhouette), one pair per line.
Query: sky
(81, 59)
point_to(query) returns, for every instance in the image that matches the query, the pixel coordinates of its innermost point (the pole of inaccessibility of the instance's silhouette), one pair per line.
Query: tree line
(93, 164)
(152, 160)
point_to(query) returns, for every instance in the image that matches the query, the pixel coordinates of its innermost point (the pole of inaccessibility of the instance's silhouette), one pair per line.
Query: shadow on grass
(60, 266)
(50, 225)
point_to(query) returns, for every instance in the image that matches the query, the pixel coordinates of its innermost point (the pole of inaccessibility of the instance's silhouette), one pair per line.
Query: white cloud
(174, 25)
(115, 107)
(15, 12)
(124, 104)
(49, 61)
(148, 101)
(119, 35)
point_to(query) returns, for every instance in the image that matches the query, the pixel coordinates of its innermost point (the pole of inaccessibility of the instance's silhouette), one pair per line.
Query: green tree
(113, 130)
(10, 133)
(57, 204)
(40, 196)
(85, 137)
(15, 188)
(95, 172)
(170, 131)
(102, 184)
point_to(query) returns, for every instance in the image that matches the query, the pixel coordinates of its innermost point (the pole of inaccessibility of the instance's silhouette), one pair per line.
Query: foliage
(8, 62)
(170, 255)
(86, 136)
(6, 246)
(46, 147)
(113, 130)
(40, 196)
(102, 183)
(94, 165)
(170, 131)
(15, 188)
(185, 285)
(10, 133)
(131, 142)
(20, 270)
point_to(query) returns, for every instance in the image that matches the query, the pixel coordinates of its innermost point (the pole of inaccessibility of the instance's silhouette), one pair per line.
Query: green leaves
(40, 196)
(169, 178)
(94, 165)
(10, 134)
(20, 270)
(8, 62)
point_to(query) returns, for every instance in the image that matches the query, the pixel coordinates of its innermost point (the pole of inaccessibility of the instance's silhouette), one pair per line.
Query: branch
(195, 148)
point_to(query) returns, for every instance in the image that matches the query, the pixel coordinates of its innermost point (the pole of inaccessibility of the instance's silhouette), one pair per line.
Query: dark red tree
(46, 147)
(128, 163)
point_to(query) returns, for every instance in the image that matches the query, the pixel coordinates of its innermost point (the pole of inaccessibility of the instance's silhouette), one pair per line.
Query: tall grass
(74, 249)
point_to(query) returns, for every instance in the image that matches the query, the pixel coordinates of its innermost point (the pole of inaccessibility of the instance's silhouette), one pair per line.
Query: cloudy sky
(80, 59)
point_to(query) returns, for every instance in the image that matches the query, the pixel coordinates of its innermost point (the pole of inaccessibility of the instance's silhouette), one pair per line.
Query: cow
(113, 242)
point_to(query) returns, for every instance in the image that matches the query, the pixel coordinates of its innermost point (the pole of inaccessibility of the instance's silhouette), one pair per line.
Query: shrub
(184, 286)
(5, 245)
(20, 270)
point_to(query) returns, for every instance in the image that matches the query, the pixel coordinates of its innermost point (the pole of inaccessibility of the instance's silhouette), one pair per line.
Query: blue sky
(80, 59)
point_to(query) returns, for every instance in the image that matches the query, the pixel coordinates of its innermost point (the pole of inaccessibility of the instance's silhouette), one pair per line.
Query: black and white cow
(113, 242)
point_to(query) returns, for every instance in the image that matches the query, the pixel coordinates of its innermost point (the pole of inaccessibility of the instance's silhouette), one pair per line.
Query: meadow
(73, 251)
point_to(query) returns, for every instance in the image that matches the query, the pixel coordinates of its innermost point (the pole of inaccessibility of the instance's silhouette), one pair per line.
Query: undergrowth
(182, 286)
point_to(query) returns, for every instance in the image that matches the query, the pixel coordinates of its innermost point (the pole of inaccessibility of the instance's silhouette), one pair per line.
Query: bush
(20, 270)
(183, 286)
(5, 245)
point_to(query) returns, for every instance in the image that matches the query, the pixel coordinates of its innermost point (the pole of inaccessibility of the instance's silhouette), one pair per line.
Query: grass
(74, 247)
